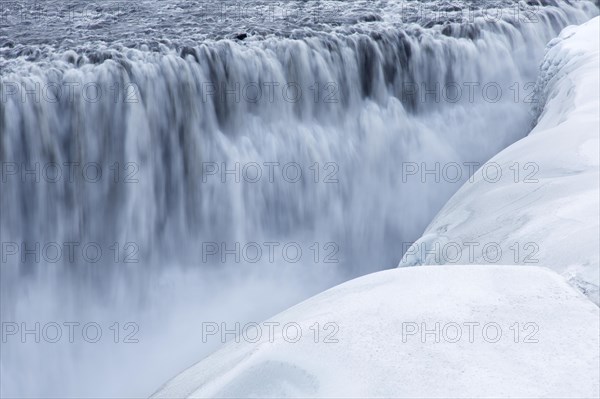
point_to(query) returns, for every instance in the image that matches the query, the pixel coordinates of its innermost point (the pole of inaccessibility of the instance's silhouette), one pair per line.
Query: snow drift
(379, 346)
(537, 201)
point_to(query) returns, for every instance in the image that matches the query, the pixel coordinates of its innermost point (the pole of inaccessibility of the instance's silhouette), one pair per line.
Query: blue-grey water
(138, 129)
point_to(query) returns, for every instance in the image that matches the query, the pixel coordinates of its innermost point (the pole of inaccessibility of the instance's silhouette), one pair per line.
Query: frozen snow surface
(537, 201)
(457, 330)
(503, 331)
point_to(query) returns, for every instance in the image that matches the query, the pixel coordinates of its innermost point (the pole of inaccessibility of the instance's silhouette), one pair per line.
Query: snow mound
(532, 336)
(544, 207)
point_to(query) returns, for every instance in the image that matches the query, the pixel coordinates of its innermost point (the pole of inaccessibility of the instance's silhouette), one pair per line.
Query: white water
(366, 133)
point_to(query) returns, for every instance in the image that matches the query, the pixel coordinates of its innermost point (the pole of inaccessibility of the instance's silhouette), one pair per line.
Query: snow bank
(375, 347)
(544, 208)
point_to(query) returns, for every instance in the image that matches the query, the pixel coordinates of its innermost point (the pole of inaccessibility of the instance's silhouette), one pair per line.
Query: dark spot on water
(98, 57)
(451, 8)
(368, 62)
(376, 36)
(432, 23)
(447, 30)
(24, 52)
(370, 18)
(187, 50)
(471, 31)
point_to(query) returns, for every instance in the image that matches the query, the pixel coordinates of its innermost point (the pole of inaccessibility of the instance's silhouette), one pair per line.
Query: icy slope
(375, 346)
(544, 207)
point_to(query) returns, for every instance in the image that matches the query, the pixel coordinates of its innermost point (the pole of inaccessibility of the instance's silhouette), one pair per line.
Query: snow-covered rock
(524, 332)
(544, 207)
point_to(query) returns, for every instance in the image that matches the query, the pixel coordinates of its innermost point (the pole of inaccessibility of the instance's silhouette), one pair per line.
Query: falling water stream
(228, 163)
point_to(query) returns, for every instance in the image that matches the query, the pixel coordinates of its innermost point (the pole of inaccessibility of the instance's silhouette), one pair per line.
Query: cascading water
(330, 113)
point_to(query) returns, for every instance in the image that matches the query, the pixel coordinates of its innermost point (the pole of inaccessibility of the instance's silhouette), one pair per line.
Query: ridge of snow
(556, 211)
(372, 357)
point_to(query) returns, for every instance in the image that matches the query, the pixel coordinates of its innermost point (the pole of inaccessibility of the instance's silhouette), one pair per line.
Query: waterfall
(157, 151)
